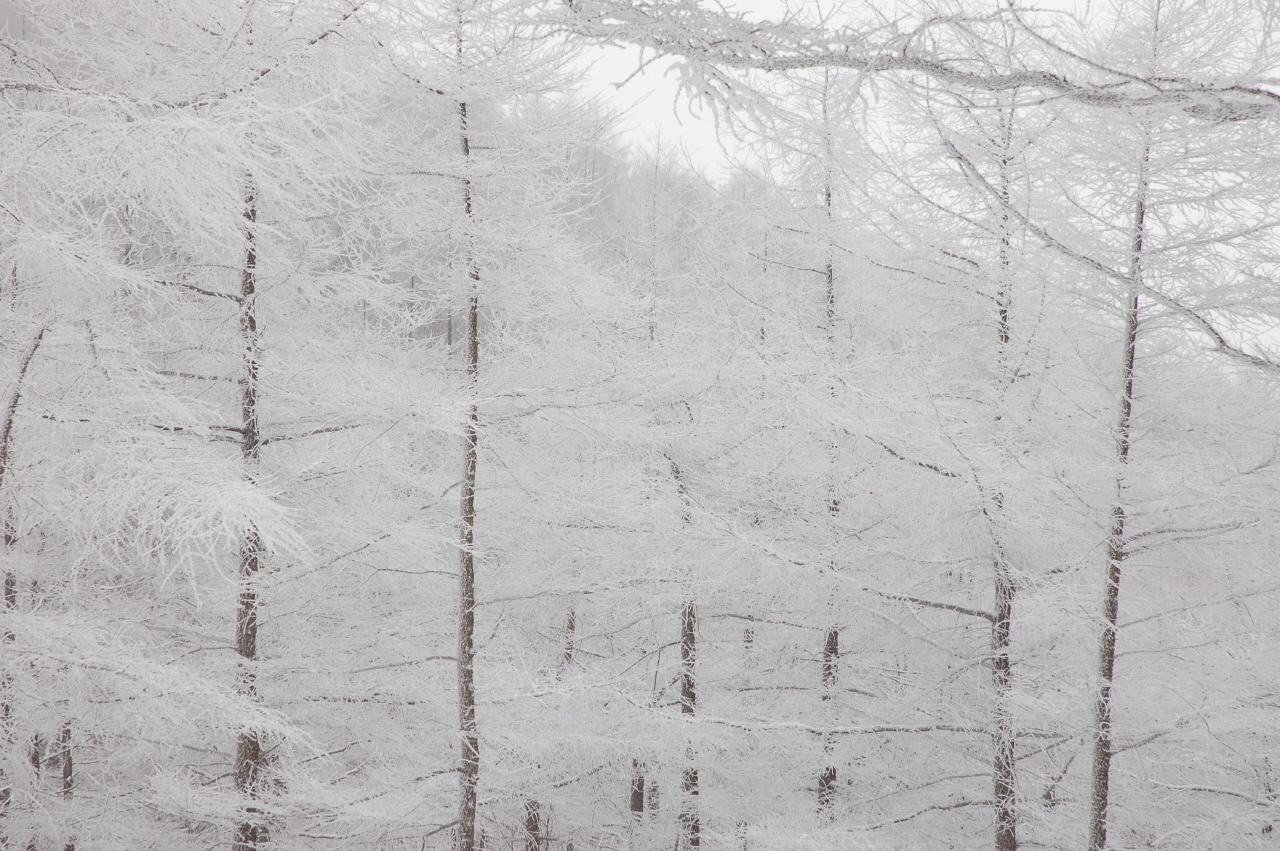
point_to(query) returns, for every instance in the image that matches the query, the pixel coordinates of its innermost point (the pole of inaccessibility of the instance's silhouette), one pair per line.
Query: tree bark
(636, 802)
(68, 771)
(469, 770)
(1002, 734)
(690, 826)
(1003, 740)
(1117, 544)
(534, 839)
(830, 671)
(248, 769)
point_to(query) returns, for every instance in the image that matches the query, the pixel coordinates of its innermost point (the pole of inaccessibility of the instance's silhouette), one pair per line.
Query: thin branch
(924, 465)
(933, 604)
(326, 430)
(935, 808)
(202, 291)
(169, 373)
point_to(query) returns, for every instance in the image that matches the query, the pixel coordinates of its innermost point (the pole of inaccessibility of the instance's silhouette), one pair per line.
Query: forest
(395, 457)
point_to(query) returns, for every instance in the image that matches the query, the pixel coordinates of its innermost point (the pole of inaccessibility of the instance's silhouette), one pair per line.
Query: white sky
(651, 100)
(652, 108)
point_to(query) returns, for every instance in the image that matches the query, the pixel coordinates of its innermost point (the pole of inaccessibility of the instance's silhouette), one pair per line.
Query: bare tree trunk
(68, 771)
(1003, 740)
(1117, 544)
(830, 671)
(636, 802)
(6, 709)
(690, 827)
(831, 643)
(248, 770)
(1002, 734)
(469, 770)
(10, 579)
(534, 832)
(570, 631)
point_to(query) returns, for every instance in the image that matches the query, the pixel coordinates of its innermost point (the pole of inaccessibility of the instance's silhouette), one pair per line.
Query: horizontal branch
(935, 808)
(934, 604)
(169, 373)
(326, 430)
(202, 291)
(717, 39)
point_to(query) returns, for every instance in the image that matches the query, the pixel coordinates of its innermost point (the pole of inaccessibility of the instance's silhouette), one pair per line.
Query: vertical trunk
(249, 757)
(533, 831)
(831, 644)
(690, 827)
(469, 770)
(6, 734)
(10, 579)
(1003, 764)
(1117, 545)
(827, 778)
(570, 630)
(68, 771)
(1006, 799)
(828, 191)
(830, 662)
(636, 804)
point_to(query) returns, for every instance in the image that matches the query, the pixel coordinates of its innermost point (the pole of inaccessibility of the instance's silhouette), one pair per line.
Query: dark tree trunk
(248, 769)
(1003, 767)
(68, 771)
(570, 630)
(830, 662)
(830, 672)
(1003, 739)
(636, 803)
(1117, 544)
(690, 826)
(469, 770)
(534, 833)
(827, 792)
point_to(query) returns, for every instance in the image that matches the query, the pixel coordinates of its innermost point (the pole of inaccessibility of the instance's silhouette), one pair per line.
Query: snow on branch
(716, 39)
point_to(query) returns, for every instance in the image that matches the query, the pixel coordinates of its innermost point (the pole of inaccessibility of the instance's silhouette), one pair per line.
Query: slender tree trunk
(831, 643)
(68, 771)
(830, 671)
(10, 579)
(570, 631)
(1117, 544)
(1003, 740)
(250, 832)
(6, 710)
(1002, 734)
(469, 770)
(690, 827)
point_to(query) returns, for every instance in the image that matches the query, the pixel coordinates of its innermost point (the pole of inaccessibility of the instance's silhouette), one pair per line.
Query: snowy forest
(394, 456)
